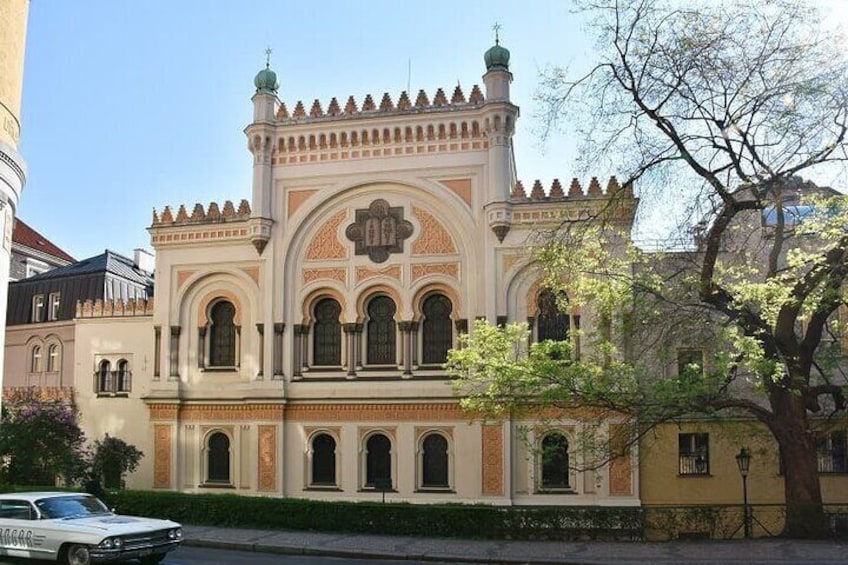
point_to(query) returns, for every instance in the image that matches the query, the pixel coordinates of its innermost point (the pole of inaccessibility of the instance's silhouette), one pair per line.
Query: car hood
(117, 524)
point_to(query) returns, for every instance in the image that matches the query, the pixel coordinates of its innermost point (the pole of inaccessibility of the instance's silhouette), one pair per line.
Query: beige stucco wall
(17, 364)
(127, 418)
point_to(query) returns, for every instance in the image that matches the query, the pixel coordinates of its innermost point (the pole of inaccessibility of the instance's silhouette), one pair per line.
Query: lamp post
(743, 461)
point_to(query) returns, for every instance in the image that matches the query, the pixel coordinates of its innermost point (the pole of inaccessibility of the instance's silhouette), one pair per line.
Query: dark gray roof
(106, 262)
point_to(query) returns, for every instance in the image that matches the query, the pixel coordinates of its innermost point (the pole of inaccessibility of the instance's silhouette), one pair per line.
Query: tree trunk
(805, 517)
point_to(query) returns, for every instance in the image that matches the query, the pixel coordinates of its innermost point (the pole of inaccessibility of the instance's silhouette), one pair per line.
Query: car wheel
(152, 559)
(78, 555)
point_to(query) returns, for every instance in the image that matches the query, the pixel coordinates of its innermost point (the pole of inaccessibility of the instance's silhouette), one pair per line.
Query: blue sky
(132, 105)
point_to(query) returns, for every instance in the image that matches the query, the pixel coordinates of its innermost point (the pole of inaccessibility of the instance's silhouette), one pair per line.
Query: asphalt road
(203, 556)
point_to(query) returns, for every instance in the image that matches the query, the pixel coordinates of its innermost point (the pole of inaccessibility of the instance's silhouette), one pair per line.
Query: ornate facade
(296, 343)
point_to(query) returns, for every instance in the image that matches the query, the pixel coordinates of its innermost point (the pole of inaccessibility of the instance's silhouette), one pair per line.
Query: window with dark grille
(378, 462)
(219, 458)
(694, 453)
(323, 460)
(434, 453)
(553, 323)
(327, 348)
(833, 452)
(222, 341)
(123, 376)
(436, 329)
(381, 331)
(104, 377)
(554, 456)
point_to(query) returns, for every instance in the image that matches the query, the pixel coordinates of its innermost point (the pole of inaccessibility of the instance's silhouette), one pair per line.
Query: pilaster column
(413, 343)
(157, 352)
(201, 347)
(406, 347)
(350, 345)
(260, 328)
(461, 328)
(296, 351)
(357, 350)
(304, 345)
(174, 352)
(279, 328)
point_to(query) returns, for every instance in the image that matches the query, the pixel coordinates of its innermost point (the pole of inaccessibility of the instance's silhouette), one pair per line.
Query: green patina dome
(497, 58)
(266, 81)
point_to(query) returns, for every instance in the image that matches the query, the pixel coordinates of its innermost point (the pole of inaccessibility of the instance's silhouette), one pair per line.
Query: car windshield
(74, 506)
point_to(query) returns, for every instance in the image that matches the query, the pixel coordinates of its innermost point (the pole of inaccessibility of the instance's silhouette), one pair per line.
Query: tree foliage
(722, 106)
(40, 441)
(111, 459)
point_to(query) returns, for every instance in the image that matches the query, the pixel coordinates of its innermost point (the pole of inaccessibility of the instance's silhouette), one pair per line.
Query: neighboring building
(40, 324)
(297, 340)
(33, 254)
(13, 23)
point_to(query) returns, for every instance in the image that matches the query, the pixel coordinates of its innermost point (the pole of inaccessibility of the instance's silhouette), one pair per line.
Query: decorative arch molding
(434, 238)
(533, 300)
(374, 290)
(317, 294)
(434, 287)
(214, 296)
(198, 293)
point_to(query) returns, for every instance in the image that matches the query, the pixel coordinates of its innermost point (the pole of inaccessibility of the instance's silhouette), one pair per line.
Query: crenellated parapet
(376, 127)
(546, 208)
(519, 194)
(114, 308)
(199, 215)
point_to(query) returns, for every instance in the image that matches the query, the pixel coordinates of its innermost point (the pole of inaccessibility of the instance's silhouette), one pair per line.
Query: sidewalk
(761, 551)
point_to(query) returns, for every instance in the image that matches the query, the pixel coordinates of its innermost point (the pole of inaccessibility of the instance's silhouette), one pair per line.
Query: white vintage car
(78, 529)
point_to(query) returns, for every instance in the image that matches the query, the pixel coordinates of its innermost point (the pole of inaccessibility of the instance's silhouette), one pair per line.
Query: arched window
(436, 329)
(434, 461)
(554, 465)
(222, 335)
(323, 460)
(104, 377)
(378, 460)
(553, 323)
(327, 344)
(53, 358)
(381, 331)
(218, 458)
(123, 376)
(35, 360)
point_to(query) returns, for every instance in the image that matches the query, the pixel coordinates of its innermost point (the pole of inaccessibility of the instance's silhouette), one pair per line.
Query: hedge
(567, 523)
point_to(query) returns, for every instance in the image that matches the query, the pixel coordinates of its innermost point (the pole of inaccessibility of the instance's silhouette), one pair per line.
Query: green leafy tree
(40, 441)
(721, 106)
(111, 459)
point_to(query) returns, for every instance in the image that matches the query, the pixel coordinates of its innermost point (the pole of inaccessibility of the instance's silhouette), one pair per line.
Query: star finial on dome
(497, 29)
(268, 52)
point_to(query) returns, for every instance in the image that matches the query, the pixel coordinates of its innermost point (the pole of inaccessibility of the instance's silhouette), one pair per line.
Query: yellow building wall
(13, 20)
(661, 482)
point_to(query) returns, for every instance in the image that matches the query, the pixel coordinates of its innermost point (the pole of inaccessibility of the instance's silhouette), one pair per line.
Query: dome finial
(497, 29)
(497, 57)
(266, 79)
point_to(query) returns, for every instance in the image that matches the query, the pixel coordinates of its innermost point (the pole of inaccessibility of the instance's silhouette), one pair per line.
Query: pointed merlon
(386, 104)
(316, 111)
(214, 213)
(476, 95)
(440, 99)
(518, 191)
(595, 187)
(229, 209)
(575, 189)
(368, 105)
(182, 215)
(299, 110)
(556, 190)
(403, 102)
(538, 193)
(198, 214)
(422, 101)
(612, 186)
(155, 217)
(282, 111)
(350, 107)
(458, 97)
(333, 109)
(167, 216)
(244, 208)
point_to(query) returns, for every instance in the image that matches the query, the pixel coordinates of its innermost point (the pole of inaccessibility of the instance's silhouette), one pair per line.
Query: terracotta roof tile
(28, 237)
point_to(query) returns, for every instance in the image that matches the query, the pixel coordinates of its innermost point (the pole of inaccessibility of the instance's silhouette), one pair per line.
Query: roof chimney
(144, 260)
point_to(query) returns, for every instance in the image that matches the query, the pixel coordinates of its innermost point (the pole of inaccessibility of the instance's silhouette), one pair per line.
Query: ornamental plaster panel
(620, 471)
(338, 274)
(253, 273)
(162, 455)
(326, 244)
(374, 412)
(267, 458)
(434, 238)
(365, 273)
(493, 452)
(424, 269)
(182, 277)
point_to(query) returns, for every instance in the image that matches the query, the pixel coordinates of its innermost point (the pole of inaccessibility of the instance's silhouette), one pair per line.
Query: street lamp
(743, 461)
